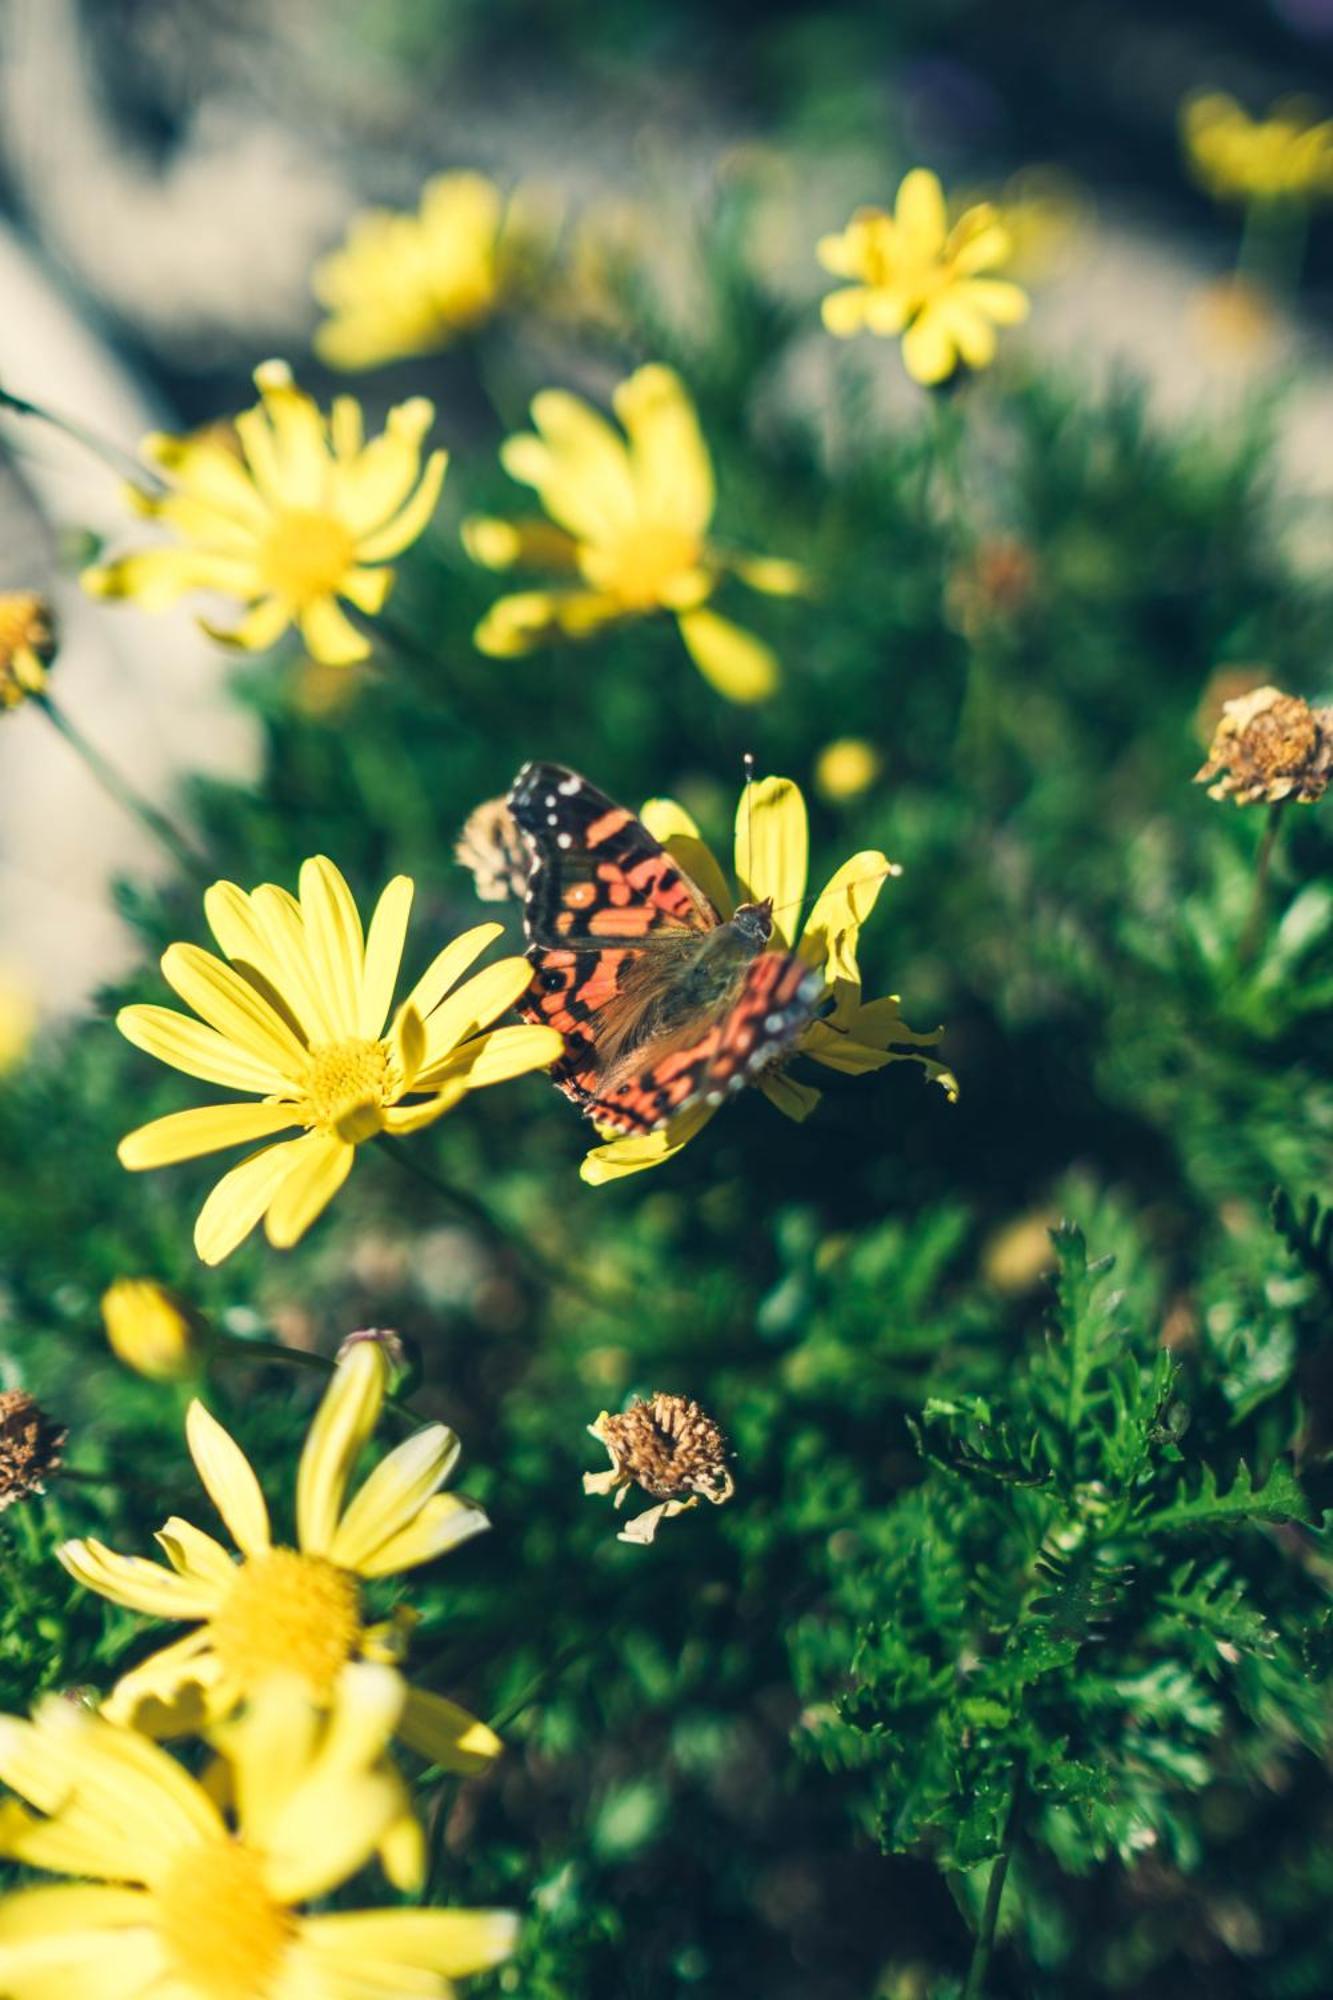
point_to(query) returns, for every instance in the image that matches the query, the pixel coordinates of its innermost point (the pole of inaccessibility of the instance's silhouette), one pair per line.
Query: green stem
(121, 462)
(990, 1915)
(1254, 922)
(123, 792)
(232, 1346)
(1272, 246)
(497, 1233)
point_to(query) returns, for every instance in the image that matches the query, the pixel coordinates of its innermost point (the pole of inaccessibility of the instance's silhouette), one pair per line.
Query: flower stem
(240, 1349)
(1254, 922)
(121, 462)
(123, 792)
(990, 1915)
(496, 1232)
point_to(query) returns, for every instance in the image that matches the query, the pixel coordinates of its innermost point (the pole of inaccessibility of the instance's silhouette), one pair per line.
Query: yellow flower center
(347, 1087)
(288, 1613)
(306, 554)
(639, 567)
(223, 1932)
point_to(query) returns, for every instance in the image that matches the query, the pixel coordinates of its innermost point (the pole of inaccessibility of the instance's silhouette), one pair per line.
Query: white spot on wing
(569, 786)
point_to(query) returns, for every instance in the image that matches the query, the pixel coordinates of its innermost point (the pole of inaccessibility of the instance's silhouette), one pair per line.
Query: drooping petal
(330, 636)
(241, 1197)
(735, 662)
(208, 1128)
(308, 1188)
(846, 900)
(794, 1100)
(619, 1157)
(344, 1420)
(229, 1480)
(445, 1734)
(673, 827)
(136, 1583)
(772, 851)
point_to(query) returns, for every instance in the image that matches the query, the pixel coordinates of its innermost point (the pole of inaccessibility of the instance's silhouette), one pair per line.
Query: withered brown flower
(1270, 746)
(669, 1448)
(492, 849)
(29, 1447)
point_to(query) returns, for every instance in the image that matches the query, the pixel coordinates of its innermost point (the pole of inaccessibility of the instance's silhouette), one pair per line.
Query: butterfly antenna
(811, 897)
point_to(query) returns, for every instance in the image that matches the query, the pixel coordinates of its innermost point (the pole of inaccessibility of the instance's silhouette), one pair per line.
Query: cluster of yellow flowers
(198, 1887)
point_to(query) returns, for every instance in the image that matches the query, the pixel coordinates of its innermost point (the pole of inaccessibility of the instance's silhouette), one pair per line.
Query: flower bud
(152, 1330)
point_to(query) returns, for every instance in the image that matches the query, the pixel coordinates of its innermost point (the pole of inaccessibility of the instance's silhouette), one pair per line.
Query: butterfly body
(662, 1002)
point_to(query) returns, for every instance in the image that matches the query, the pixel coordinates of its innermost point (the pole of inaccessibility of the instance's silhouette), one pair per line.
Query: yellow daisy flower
(27, 645)
(914, 275)
(1286, 156)
(409, 284)
(629, 521)
(302, 514)
(856, 1035)
(279, 1610)
(183, 1897)
(298, 1018)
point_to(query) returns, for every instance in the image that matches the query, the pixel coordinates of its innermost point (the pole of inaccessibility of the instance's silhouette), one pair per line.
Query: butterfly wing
(608, 914)
(713, 1056)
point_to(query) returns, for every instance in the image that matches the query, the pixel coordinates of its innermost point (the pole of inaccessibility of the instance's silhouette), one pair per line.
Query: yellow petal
(440, 1524)
(669, 460)
(792, 1099)
(450, 1943)
(194, 1554)
(929, 352)
(136, 1583)
(501, 545)
(411, 523)
(445, 1734)
(619, 1157)
(330, 636)
(326, 1832)
(241, 1197)
(772, 851)
(495, 1058)
(771, 574)
(188, 1135)
(846, 900)
(735, 662)
(448, 967)
(844, 311)
(308, 1188)
(471, 1007)
(920, 213)
(394, 1493)
(64, 1911)
(673, 828)
(384, 955)
(229, 1003)
(402, 1119)
(344, 1420)
(579, 466)
(334, 940)
(229, 1480)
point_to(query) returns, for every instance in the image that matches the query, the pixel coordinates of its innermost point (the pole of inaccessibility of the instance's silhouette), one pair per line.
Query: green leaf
(1280, 1498)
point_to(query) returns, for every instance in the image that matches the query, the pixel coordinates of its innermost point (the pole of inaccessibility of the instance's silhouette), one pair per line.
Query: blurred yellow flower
(1287, 156)
(408, 284)
(303, 514)
(18, 1020)
(284, 1611)
(914, 275)
(27, 645)
(152, 1330)
(845, 768)
(856, 1035)
(629, 521)
(178, 1894)
(298, 1019)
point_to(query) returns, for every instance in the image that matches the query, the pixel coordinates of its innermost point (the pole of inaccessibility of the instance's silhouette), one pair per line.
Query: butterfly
(662, 1002)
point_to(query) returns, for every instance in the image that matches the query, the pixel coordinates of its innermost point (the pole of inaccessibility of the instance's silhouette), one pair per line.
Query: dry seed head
(1270, 746)
(29, 1447)
(492, 849)
(667, 1446)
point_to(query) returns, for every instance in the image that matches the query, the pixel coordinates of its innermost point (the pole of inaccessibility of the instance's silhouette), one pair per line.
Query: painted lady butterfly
(661, 1002)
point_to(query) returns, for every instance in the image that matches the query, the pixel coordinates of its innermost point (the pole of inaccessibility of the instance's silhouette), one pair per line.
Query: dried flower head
(1270, 746)
(669, 1448)
(27, 645)
(996, 583)
(29, 1446)
(491, 848)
